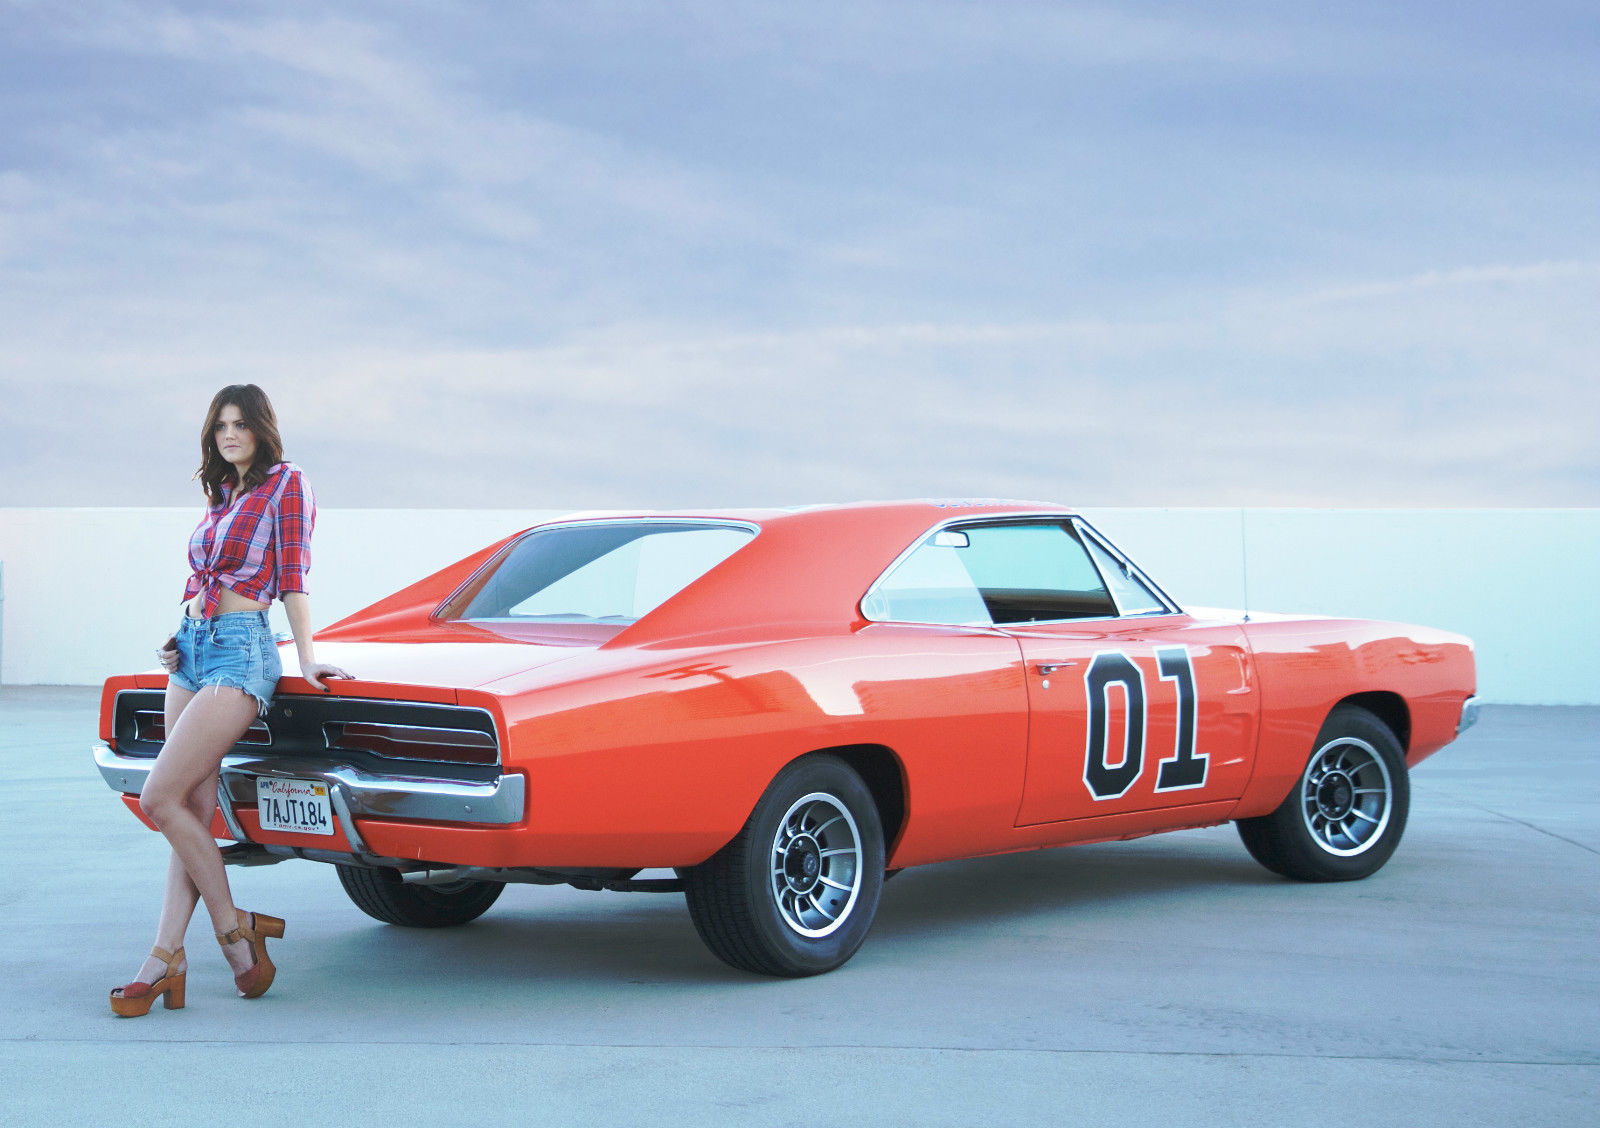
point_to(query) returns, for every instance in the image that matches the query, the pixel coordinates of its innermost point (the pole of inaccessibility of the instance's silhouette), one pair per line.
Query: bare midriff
(228, 601)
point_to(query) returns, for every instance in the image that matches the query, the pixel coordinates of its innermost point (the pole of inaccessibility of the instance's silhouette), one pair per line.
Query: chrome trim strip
(289, 700)
(1003, 518)
(364, 794)
(123, 773)
(228, 818)
(347, 822)
(1469, 715)
(1118, 554)
(417, 734)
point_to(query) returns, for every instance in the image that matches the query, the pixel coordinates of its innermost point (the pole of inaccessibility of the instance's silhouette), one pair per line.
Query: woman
(252, 544)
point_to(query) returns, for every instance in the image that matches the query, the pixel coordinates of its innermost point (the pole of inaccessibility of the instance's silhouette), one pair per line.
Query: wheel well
(879, 768)
(1390, 708)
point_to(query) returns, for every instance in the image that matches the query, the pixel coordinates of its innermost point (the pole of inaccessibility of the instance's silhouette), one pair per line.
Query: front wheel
(1344, 817)
(382, 895)
(796, 890)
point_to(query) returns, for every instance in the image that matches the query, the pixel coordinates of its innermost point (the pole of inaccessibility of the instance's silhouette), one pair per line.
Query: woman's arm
(298, 608)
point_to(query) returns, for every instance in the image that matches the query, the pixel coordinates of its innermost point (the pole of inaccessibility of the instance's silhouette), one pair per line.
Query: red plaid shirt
(259, 547)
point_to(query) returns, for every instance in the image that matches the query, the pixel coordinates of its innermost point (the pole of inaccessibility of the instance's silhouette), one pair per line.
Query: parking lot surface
(1166, 980)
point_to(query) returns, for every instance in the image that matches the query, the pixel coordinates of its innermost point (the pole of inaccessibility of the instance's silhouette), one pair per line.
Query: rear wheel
(381, 894)
(795, 892)
(1345, 815)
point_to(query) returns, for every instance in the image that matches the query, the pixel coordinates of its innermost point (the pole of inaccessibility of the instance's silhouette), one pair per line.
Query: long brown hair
(258, 415)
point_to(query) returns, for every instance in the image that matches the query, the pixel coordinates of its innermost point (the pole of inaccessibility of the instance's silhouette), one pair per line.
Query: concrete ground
(1169, 980)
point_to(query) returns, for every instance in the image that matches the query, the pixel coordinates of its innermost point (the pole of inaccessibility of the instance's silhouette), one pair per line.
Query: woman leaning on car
(254, 543)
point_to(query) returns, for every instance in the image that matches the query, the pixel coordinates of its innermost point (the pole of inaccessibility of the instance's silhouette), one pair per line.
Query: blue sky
(657, 254)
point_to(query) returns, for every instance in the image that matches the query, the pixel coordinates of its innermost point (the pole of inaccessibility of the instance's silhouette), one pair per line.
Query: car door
(1133, 705)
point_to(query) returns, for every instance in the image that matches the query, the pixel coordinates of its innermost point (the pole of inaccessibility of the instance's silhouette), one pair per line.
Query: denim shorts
(235, 649)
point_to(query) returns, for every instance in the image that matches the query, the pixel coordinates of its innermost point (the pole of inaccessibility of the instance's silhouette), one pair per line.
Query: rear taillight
(413, 742)
(151, 725)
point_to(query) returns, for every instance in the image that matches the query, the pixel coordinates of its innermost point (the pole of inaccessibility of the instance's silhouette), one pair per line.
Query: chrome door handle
(1047, 668)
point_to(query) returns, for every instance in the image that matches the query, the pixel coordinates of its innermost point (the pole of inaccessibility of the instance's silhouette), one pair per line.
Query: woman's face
(234, 439)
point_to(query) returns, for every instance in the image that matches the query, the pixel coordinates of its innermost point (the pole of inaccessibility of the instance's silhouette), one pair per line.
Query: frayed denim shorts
(235, 649)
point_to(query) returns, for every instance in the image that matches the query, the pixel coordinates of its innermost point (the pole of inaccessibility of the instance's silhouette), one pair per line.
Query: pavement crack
(1529, 825)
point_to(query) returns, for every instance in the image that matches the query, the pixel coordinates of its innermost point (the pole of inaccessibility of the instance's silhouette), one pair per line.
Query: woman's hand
(168, 654)
(315, 672)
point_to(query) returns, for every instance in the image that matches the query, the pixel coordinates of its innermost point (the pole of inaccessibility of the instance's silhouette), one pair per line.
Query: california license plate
(298, 806)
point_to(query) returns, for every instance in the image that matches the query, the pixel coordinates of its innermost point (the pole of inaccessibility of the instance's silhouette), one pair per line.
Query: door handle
(1045, 669)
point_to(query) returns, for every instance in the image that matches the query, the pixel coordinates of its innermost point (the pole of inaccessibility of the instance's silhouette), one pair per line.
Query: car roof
(934, 510)
(806, 567)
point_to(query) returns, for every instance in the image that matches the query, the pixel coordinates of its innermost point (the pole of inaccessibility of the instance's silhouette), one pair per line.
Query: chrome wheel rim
(815, 875)
(1346, 796)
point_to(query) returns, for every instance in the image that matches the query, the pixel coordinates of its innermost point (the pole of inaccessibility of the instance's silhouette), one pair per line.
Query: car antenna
(1244, 564)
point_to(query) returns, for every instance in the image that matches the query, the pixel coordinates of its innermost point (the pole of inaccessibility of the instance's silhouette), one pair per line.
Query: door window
(993, 574)
(1133, 597)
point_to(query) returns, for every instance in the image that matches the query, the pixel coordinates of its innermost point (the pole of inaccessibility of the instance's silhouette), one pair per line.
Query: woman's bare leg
(179, 796)
(180, 895)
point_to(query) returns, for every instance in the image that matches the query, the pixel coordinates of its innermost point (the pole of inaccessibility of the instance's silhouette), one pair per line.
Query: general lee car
(785, 707)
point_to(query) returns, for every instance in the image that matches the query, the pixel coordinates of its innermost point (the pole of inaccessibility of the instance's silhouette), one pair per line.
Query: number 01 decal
(1184, 769)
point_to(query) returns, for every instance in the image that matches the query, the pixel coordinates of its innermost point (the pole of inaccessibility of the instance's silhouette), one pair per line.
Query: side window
(928, 586)
(1034, 572)
(988, 574)
(1133, 597)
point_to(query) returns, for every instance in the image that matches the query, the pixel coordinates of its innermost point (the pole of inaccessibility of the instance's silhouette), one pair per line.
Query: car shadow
(649, 939)
(981, 891)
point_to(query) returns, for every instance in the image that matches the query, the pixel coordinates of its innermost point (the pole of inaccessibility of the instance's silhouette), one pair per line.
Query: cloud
(637, 255)
(1365, 398)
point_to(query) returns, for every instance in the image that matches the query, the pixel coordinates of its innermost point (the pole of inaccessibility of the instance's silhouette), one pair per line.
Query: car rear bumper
(354, 793)
(1469, 715)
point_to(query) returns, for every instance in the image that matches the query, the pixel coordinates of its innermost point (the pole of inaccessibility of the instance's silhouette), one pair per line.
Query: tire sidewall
(1349, 722)
(830, 776)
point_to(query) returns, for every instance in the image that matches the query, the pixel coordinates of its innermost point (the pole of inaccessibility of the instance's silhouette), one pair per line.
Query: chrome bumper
(354, 793)
(1469, 715)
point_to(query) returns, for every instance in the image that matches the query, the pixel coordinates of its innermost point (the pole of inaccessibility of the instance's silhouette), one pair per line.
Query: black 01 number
(1184, 769)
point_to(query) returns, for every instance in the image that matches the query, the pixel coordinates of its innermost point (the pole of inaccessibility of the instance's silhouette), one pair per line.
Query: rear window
(596, 572)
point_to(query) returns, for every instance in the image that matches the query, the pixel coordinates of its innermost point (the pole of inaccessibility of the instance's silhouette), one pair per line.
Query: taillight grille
(412, 742)
(151, 725)
(463, 740)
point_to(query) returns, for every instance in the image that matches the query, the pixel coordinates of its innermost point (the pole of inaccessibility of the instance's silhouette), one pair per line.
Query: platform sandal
(132, 1000)
(255, 928)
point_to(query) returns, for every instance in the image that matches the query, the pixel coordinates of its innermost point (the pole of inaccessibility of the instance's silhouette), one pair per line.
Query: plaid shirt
(259, 547)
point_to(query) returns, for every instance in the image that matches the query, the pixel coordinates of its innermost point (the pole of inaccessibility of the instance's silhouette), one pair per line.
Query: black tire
(809, 912)
(1345, 814)
(383, 896)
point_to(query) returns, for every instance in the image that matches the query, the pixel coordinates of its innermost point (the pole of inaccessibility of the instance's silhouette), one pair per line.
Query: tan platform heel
(255, 928)
(133, 1000)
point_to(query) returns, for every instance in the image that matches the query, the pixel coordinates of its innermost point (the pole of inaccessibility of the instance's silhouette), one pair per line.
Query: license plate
(299, 806)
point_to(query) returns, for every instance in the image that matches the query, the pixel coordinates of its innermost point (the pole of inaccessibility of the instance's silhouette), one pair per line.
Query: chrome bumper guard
(1469, 715)
(353, 793)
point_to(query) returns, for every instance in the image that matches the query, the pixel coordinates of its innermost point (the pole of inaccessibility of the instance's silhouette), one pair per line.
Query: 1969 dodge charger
(785, 707)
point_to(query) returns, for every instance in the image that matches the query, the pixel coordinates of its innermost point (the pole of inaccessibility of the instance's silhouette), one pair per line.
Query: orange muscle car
(786, 706)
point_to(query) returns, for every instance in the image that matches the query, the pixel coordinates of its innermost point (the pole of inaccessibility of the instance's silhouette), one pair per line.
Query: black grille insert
(360, 731)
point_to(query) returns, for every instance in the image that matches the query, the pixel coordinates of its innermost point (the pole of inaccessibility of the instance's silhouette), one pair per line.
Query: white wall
(1523, 584)
(91, 592)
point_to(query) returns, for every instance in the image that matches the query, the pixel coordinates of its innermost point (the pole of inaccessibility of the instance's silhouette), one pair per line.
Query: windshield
(597, 572)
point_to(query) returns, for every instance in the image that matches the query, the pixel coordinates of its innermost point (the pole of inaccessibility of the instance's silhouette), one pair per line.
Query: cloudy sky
(657, 254)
